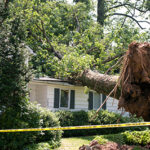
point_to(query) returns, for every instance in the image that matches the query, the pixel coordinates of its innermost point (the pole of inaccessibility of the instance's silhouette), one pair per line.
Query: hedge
(39, 146)
(33, 116)
(137, 137)
(77, 118)
(128, 137)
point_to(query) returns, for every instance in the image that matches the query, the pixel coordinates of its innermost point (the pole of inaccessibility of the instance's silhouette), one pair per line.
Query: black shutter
(72, 99)
(56, 98)
(90, 106)
(103, 98)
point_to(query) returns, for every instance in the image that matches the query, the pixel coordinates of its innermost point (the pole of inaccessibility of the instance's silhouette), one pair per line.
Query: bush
(101, 140)
(137, 137)
(39, 146)
(33, 116)
(68, 118)
(132, 138)
(118, 138)
(106, 117)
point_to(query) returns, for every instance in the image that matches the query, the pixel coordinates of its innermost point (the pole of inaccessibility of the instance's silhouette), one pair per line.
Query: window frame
(99, 99)
(68, 98)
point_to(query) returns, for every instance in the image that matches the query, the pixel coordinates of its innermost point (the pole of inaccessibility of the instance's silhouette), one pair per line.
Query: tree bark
(101, 83)
(101, 12)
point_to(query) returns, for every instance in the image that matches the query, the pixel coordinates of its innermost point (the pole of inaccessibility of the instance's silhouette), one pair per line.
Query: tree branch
(91, 49)
(56, 53)
(35, 36)
(145, 21)
(123, 22)
(78, 24)
(120, 14)
(127, 4)
(118, 62)
(112, 58)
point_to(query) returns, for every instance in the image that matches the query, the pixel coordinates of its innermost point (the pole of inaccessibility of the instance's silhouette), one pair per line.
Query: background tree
(128, 9)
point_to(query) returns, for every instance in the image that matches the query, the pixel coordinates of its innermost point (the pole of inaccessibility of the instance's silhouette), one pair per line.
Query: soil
(135, 80)
(109, 146)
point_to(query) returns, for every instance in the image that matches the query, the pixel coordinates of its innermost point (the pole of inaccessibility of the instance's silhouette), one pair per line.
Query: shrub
(106, 117)
(101, 140)
(33, 116)
(118, 138)
(39, 146)
(137, 137)
(68, 118)
(133, 138)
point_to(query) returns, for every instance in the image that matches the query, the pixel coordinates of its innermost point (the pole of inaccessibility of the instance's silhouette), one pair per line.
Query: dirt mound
(135, 80)
(108, 146)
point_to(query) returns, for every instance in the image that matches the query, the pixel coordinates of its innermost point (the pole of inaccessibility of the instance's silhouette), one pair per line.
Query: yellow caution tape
(79, 127)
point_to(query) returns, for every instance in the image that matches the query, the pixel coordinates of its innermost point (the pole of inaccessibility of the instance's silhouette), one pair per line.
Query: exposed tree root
(135, 80)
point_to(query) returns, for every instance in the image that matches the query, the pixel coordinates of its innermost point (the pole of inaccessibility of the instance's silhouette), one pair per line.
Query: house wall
(81, 102)
(43, 93)
(112, 106)
(38, 93)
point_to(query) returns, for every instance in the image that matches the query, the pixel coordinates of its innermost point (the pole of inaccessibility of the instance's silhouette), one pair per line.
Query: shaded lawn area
(75, 142)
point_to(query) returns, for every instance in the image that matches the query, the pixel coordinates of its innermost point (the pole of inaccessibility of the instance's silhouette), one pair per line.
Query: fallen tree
(133, 90)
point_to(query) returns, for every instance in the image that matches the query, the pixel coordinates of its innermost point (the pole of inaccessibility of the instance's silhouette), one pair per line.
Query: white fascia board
(50, 82)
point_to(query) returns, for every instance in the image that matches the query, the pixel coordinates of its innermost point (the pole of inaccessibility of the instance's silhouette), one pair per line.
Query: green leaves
(73, 64)
(71, 30)
(137, 137)
(14, 74)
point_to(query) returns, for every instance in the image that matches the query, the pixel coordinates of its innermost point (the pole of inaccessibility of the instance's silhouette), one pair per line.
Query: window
(64, 98)
(95, 100)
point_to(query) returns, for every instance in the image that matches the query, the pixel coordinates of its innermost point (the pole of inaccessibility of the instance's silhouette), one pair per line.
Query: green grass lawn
(75, 142)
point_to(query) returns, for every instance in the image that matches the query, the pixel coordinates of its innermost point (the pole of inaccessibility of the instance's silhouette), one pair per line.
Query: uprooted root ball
(135, 80)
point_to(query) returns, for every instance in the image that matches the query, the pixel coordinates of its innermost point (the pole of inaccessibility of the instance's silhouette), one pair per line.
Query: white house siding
(81, 102)
(32, 89)
(112, 106)
(43, 93)
(50, 96)
(81, 99)
(38, 93)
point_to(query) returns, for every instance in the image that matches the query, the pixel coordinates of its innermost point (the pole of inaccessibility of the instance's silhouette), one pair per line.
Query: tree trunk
(101, 12)
(101, 83)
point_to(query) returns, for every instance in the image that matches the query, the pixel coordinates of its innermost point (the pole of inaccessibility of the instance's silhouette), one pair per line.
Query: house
(56, 94)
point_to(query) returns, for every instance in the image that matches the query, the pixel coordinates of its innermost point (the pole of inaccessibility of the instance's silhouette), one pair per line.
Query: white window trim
(68, 98)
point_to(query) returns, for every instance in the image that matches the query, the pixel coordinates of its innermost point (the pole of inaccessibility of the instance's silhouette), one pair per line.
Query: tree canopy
(66, 38)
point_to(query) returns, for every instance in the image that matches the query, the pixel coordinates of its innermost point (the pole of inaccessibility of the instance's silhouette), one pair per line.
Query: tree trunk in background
(101, 12)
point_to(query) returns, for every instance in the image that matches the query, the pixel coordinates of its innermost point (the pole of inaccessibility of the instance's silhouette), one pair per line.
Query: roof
(48, 80)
